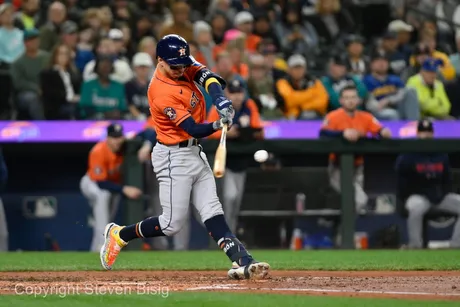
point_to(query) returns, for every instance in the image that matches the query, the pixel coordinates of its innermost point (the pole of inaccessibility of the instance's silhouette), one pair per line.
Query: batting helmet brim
(186, 60)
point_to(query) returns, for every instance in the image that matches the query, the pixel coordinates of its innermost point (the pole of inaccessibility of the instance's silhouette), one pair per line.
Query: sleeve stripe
(180, 120)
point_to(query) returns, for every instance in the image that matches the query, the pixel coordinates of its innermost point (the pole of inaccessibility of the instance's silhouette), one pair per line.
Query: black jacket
(424, 174)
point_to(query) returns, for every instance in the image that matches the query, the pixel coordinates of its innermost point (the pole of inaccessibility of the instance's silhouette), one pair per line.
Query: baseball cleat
(255, 270)
(112, 245)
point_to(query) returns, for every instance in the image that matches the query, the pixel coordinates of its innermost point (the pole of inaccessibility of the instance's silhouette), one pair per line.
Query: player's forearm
(197, 130)
(214, 89)
(110, 186)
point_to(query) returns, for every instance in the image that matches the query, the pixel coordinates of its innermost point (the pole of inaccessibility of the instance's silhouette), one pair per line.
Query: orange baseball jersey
(171, 102)
(340, 120)
(104, 164)
(248, 116)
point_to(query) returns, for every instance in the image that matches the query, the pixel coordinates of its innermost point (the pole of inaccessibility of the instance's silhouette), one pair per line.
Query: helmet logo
(182, 51)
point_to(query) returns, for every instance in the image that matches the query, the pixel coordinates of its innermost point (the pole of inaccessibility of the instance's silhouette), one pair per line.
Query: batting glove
(219, 124)
(224, 107)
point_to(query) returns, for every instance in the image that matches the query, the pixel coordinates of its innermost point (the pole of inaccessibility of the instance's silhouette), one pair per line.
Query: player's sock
(147, 228)
(227, 241)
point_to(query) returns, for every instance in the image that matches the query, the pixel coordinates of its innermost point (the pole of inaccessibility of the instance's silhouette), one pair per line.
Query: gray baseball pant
(233, 190)
(358, 182)
(418, 205)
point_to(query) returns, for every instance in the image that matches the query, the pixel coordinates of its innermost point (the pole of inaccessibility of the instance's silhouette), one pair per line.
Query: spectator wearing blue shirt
(397, 59)
(389, 99)
(339, 78)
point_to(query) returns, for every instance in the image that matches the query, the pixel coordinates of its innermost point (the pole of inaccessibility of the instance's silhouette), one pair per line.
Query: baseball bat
(221, 154)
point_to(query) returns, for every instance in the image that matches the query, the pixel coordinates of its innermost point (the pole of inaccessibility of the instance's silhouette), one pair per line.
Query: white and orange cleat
(112, 245)
(254, 270)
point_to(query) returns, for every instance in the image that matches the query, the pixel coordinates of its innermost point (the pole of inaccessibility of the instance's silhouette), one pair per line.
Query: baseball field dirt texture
(198, 278)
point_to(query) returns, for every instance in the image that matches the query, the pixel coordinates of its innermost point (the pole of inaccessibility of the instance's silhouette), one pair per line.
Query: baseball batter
(178, 110)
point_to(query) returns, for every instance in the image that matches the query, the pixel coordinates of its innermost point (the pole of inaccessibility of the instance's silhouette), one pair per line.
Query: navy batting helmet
(175, 50)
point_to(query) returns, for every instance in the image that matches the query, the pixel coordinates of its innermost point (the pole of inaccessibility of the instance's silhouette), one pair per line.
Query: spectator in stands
(302, 96)
(69, 37)
(103, 97)
(357, 61)
(143, 28)
(122, 71)
(124, 11)
(389, 46)
(297, 36)
(455, 58)
(261, 88)
(29, 15)
(157, 9)
(92, 19)
(116, 35)
(181, 25)
(337, 79)
(264, 29)
(11, 48)
(430, 91)
(11, 38)
(276, 65)
(25, 72)
(136, 89)
(224, 67)
(106, 19)
(202, 33)
(351, 124)
(425, 182)
(403, 33)
(420, 54)
(447, 71)
(196, 53)
(244, 22)
(389, 99)
(74, 11)
(236, 50)
(223, 7)
(219, 25)
(51, 30)
(149, 46)
(331, 21)
(84, 51)
(60, 85)
(246, 127)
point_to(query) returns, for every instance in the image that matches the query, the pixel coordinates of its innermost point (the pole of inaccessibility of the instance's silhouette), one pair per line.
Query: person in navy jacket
(424, 181)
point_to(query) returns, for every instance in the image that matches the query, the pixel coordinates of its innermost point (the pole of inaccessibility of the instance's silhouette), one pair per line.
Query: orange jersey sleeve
(255, 115)
(97, 168)
(329, 122)
(212, 117)
(374, 126)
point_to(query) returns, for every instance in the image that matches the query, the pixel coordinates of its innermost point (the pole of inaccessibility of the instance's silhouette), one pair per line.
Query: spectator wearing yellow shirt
(430, 91)
(303, 96)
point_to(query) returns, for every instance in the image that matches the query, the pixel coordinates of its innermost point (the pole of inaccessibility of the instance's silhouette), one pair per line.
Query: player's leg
(99, 201)
(3, 229)
(451, 203)
(182, 238)
(172, 170)
(204, 197)
(230, 197)
(361, 197)
(416, 206)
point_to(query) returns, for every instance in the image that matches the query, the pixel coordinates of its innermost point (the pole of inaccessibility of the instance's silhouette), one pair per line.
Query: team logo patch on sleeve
(170, 113)
(97, 170)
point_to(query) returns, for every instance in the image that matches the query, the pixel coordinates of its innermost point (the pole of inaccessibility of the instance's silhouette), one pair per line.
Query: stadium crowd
(93, 59)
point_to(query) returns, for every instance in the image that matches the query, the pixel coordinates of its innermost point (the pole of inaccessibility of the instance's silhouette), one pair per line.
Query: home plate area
(420, 285)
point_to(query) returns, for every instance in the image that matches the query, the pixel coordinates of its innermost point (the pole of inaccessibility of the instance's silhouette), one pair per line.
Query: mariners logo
(170, 112)
(182, 51)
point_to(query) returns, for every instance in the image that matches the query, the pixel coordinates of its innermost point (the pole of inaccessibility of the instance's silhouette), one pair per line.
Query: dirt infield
(421, 285)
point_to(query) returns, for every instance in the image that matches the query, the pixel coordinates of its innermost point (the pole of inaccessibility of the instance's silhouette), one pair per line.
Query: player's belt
(186, 143)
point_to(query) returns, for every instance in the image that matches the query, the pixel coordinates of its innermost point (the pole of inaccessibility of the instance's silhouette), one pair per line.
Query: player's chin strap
(235, 250)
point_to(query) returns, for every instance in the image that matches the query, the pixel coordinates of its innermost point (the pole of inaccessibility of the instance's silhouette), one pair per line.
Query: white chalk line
(236, 287)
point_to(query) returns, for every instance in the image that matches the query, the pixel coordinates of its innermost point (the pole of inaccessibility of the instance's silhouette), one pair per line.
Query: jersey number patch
(170, 113)
(194, 100)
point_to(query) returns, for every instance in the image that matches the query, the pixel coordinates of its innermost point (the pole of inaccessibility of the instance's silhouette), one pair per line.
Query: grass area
(441, 260)
(209, 300)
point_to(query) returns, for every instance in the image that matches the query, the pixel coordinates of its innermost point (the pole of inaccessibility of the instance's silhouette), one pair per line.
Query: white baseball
(261, 156)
